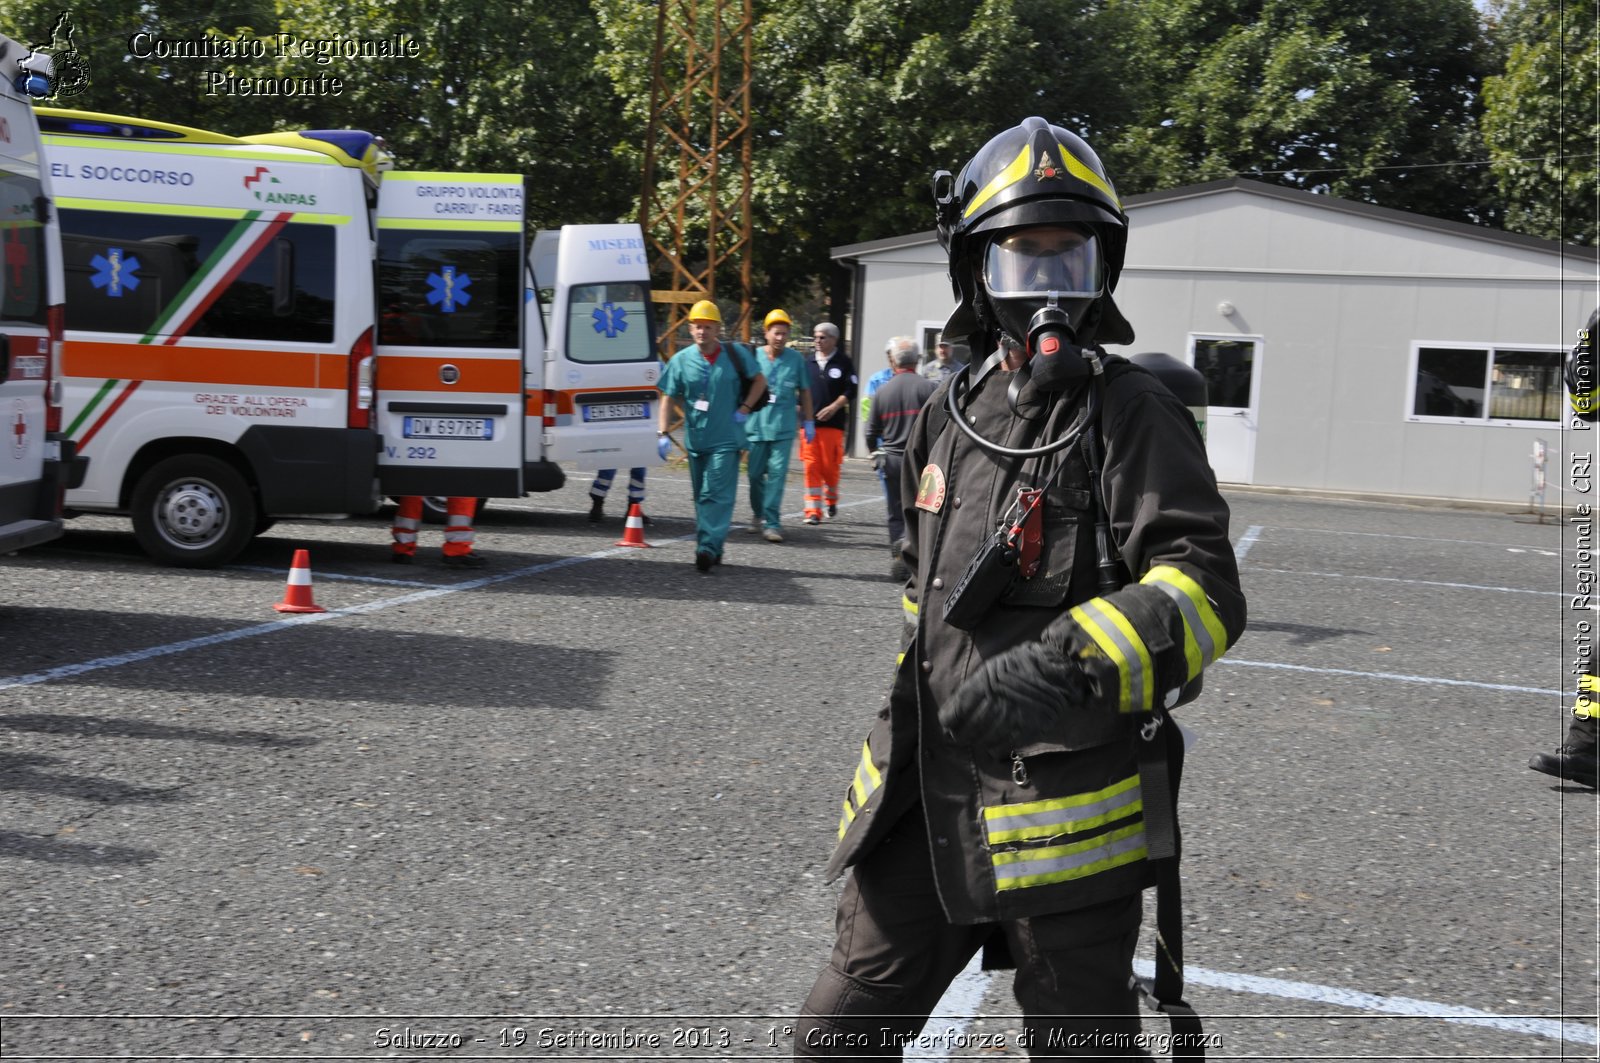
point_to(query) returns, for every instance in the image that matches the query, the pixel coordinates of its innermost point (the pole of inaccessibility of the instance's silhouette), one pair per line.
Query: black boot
(1575, 758)
(597, 510)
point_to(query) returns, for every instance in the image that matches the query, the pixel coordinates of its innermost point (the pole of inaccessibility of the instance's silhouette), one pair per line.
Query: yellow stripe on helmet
(1076, 168)
(1019, 168)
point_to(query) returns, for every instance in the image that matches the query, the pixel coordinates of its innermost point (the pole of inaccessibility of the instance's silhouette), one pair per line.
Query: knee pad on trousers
(845, 1017)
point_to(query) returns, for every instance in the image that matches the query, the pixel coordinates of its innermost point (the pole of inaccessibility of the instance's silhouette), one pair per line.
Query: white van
(233, 356)
(35, 462)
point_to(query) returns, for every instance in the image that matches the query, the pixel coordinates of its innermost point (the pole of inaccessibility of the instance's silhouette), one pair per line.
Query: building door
(1232, 368)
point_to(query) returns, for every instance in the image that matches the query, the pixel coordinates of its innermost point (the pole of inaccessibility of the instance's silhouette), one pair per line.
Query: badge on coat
(930, 489)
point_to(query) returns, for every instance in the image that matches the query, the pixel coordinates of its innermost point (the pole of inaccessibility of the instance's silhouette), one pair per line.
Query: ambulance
(34, 464)
(284, 325)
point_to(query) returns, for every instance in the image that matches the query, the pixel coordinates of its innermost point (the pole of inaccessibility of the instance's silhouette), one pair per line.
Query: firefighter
(1016, 792)
(1575, 758)
(703, 378)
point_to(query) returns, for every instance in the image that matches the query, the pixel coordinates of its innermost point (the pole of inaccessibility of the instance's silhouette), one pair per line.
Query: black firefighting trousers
(896, 954)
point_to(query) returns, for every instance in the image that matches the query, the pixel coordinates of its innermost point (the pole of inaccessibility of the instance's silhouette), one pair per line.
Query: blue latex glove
(809, 429)
(663, 447)
(740, 417)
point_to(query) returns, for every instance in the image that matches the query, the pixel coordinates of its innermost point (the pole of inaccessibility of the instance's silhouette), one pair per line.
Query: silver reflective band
(1043, 259)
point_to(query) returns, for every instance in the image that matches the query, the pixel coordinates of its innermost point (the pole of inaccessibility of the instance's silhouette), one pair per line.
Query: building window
(1500, 385)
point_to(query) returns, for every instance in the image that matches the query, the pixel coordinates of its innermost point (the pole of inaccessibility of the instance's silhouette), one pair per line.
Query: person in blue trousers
(702, 383)
(771, 429)
(601, 486)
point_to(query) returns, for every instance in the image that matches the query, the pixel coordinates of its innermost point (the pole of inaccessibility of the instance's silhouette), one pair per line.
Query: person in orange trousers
(833, 382)
(458, 535)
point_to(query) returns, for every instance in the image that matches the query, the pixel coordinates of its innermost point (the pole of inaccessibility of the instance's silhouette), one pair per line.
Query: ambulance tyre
(193, 511)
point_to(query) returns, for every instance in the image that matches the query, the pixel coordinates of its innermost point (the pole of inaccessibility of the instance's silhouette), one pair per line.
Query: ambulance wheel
(193, 511)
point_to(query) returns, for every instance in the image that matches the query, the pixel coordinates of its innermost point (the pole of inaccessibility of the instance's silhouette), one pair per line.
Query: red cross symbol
(20, 430)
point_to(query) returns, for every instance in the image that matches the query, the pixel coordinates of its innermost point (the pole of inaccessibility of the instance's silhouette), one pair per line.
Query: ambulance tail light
(56, 322)
(360, 391)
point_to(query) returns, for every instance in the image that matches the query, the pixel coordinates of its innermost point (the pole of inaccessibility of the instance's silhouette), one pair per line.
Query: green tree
(1373, 102)
(497, 85)
(1541, 122)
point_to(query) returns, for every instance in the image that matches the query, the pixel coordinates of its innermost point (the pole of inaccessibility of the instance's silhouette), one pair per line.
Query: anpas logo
(261, 181)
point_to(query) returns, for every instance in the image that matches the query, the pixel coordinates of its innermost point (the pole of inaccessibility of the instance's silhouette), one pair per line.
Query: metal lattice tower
(698, 223)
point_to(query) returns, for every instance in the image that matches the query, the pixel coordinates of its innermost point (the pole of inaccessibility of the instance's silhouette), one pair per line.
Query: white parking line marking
(1416, 582)
(1385, 1005)
(324, 574)
(955, 1010)
(1392, 535)
(1392, 676)
(67, 671)
(1250, 537)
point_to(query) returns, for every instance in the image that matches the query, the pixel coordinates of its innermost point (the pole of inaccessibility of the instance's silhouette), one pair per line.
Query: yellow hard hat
(777, 317)
(705, 310)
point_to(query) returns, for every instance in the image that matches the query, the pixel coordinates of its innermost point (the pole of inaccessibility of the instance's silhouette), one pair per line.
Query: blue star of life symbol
(449, 289)
(115, 272)
(610, 319)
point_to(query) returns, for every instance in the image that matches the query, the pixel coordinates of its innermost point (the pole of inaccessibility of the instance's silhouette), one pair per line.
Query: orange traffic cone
(297, 595)
(633, 528)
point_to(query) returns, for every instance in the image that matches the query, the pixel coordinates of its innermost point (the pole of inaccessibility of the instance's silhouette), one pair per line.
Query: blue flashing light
(353, 142)
(83, 127)
(30, 84)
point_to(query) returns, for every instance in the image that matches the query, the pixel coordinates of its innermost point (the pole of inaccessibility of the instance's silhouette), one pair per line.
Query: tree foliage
(1542, 120)
(857, 102)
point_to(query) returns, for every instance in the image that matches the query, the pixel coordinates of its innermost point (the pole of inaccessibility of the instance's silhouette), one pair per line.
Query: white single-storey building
(1347, 347)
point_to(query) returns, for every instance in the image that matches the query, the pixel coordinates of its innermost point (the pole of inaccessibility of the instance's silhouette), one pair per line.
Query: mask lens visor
(1034, 261)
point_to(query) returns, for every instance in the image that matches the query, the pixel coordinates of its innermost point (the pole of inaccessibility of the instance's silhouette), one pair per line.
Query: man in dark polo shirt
(833, 382)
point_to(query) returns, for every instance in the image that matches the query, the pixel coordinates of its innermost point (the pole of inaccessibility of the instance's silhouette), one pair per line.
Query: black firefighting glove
(1017, 698)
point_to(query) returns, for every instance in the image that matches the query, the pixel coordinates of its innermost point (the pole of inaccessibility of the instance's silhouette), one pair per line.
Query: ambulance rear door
(601, 367)
(449, 345)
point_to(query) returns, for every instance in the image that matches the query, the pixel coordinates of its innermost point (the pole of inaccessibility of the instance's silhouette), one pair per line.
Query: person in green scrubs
(702, 384)
(771, 429)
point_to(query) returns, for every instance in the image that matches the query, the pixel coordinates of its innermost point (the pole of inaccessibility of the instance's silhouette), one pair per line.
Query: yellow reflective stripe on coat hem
(1064, 863)
(1064, 815)
(866, 781)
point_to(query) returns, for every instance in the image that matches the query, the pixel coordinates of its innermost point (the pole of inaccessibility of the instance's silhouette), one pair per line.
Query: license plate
(448, 428)
(616, 411)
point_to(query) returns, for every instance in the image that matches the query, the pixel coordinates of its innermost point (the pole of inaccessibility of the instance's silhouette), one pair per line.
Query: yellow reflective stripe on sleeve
(1019, 168)
(1115, 636)
(1204, 637)
(909, 607)
(848, 818)
(1063, 863)
(1585, 402)
(1589, 684)
(1063, 815)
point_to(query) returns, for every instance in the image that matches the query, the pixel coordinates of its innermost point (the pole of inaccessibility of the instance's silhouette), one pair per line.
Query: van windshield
(609, 323)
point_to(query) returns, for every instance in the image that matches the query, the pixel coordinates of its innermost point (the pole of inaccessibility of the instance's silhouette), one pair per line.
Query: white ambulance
(233, 356)
(34, 465)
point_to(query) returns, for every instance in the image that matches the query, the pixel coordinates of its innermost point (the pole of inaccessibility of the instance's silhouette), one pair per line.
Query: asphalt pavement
(577, 803)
